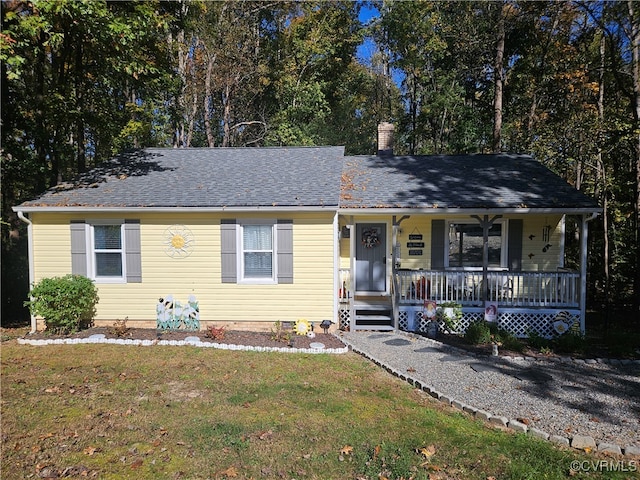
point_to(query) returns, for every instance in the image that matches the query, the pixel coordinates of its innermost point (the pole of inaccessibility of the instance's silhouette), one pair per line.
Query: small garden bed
(230, 337)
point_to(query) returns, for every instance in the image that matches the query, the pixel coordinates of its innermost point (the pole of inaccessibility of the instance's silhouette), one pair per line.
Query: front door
(371, 256)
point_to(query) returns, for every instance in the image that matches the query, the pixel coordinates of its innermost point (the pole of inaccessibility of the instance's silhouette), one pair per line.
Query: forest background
(82, 81)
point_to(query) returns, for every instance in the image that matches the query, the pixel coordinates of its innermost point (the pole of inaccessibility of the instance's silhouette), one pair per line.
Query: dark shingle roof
(456, 181)
(314, 177)
(207, 177)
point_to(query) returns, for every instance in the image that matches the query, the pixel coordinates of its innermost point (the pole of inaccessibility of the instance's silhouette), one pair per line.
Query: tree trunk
(208, 100)
(498, 71)
(635, 58)
(81, 160)
(227, 115)
(180, 101)
(601, 177)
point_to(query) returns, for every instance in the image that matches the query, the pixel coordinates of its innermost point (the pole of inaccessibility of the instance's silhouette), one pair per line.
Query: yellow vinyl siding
(532, 224)
(533, 256)
(310, 296)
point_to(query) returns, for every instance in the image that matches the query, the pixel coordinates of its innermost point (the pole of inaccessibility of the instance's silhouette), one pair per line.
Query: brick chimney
(385, 138)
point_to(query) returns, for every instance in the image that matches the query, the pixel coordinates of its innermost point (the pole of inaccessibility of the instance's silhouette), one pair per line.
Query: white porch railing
(509, 289)
(527, 301)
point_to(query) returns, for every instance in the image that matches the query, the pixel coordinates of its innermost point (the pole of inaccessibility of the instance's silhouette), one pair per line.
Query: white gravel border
(192, 341)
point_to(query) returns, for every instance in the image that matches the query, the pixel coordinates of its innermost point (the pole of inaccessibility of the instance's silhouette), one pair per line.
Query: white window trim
(91, 251)
(504, 242)
(273, 280)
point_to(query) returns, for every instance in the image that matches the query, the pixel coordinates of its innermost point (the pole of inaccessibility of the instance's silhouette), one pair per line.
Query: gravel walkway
(585, 404)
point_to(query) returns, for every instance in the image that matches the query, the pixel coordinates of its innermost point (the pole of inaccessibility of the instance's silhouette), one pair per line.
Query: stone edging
(580, 442)
(190, 341)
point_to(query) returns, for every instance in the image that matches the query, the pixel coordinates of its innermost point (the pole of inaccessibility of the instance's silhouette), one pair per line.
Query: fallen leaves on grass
(427, 452)
(90, 451)
(231, 472)
(346, 450)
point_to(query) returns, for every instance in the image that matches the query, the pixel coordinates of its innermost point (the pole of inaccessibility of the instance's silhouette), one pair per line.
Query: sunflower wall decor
(179, 241)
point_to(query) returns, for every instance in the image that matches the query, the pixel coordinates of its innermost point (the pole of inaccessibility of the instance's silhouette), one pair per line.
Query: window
(257, 252)
(465, 240)
(107, 252)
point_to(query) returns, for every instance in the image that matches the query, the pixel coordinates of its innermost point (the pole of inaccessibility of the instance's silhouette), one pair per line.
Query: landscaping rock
(560, 440)
(609, 448)
(582, 442)
(517, 426)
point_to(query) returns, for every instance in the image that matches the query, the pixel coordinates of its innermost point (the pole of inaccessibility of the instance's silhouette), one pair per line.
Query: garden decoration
(562, 323)
(302, 326)
(179, 241)
(370, 238)
(172, 315)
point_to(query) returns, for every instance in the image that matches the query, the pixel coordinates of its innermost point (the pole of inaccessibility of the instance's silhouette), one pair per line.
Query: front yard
(111, 411)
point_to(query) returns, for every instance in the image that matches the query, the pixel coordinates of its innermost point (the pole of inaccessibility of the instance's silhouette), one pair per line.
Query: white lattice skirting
(517, 321)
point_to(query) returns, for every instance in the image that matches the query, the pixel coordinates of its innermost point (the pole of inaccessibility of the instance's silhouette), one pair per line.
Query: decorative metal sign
(415, 236)
(179, 241)
(415, 253)
(415, 244)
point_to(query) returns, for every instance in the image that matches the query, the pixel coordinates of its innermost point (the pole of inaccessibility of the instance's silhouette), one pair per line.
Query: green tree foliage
(84, 80)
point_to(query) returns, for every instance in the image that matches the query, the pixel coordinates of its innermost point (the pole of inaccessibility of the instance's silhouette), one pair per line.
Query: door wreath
(370, 238)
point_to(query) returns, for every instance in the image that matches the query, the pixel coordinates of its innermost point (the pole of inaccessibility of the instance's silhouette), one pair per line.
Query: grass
(110, 411)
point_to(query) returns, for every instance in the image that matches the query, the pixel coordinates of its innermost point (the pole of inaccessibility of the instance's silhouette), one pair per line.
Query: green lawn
(109, 411)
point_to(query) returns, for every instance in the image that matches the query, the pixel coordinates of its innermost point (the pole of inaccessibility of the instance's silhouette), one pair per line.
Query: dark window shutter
(78, 248)
(285, 251)
(514, 245)
(228, 245)
(437, 244)
(133, 251)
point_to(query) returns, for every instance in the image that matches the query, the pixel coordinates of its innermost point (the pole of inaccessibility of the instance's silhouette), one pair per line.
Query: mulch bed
(231, 337)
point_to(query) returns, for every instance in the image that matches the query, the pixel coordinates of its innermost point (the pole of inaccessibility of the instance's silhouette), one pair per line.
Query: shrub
(281, 332)
(478, 333)
(537, 341)
(450, 323)
(120, 328)
(570, 342)
(511, 342)
(217, 333)
(67, 304)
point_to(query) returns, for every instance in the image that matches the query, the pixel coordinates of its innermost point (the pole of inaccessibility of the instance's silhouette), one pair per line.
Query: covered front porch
(508, 268)
(527, 302)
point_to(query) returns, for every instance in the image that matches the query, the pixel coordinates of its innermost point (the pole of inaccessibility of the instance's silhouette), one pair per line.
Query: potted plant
(448, 315)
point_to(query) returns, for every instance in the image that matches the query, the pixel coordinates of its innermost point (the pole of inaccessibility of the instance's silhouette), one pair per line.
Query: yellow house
(245, 237)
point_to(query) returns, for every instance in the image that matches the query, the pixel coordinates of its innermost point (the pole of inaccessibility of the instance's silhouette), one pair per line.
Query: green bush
(537, 341)
(478, 333)
(67, 304)
(511, 342)
(570, 342)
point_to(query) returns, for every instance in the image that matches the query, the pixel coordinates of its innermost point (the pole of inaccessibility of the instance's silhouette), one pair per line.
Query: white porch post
(336, 270)
(352, 274)
(584, 232)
